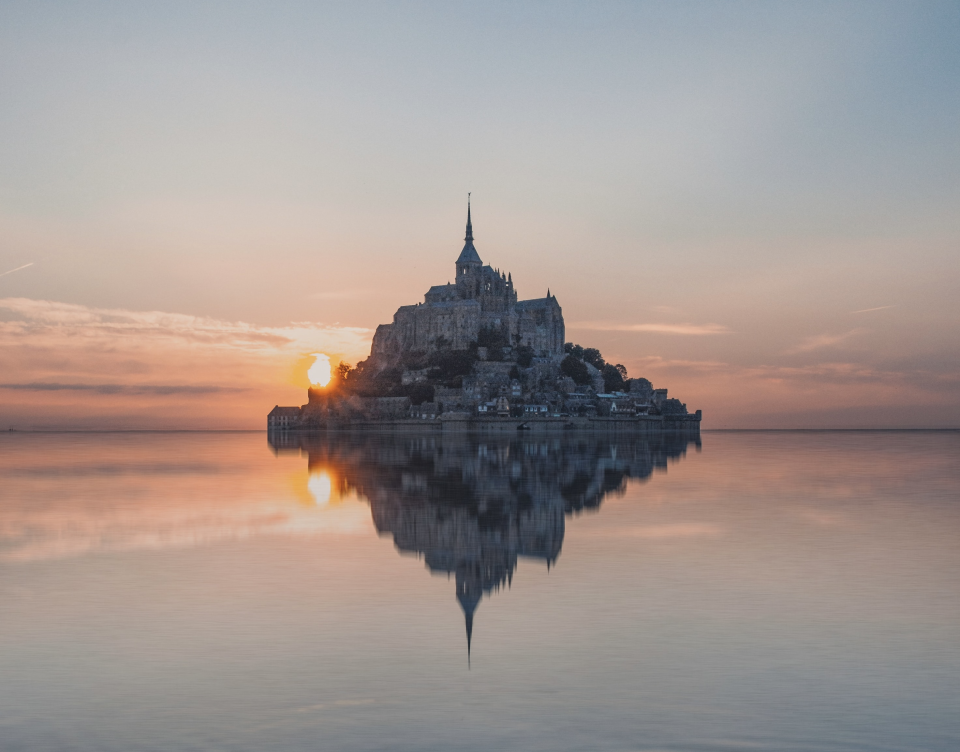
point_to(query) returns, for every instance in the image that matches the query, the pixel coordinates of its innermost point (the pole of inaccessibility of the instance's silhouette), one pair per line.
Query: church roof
(284, 411)
(538, 302)
(469, 254)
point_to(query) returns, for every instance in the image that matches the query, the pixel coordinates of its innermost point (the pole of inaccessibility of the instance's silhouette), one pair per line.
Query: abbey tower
(452, 315)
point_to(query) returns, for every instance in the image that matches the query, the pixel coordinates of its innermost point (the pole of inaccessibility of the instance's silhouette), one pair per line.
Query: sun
(321, 487)
(319, 373)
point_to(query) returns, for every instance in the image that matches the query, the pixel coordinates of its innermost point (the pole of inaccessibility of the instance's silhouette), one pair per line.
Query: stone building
(453, 314)
(283, 417)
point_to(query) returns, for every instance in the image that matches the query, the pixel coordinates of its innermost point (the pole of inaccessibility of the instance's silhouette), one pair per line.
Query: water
(766, 591)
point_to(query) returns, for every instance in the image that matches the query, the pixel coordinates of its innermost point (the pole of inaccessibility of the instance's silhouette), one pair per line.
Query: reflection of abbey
(452, 315)
(472, 508)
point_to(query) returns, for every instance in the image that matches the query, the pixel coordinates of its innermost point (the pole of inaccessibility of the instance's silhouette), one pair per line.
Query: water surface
(769, 591)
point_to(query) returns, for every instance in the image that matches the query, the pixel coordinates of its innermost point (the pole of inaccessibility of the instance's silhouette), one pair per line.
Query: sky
(754, 205)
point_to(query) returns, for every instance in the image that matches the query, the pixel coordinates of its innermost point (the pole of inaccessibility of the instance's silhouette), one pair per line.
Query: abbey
(452, 315)
(473, 357)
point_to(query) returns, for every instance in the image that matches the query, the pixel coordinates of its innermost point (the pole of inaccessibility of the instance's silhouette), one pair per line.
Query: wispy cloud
(68, 365)
(819, 341)
(156, 389)
(16, 270)
(35, 316)
(339, 294)
(681, 329)
(656, 361)
(869, 310)
(674, 530)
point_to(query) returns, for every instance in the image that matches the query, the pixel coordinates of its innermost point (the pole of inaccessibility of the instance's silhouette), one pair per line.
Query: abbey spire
(468, 256)
(469, 237)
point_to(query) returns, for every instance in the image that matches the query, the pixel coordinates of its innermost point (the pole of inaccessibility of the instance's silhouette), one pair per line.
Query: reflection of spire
(469, 593)
(436, 500)
(469, 635)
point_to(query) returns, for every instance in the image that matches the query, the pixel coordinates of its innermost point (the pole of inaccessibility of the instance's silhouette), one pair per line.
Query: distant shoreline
(264, 430)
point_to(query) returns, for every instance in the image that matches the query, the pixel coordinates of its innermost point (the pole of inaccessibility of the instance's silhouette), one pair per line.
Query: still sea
(239, 591)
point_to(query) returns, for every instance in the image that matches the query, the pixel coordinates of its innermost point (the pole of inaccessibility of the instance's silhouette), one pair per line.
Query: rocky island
(472, 357)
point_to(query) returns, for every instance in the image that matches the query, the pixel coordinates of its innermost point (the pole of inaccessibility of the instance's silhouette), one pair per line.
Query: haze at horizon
(752, 205)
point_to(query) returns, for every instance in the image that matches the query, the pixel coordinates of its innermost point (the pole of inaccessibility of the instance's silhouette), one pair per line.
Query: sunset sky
(755, 205)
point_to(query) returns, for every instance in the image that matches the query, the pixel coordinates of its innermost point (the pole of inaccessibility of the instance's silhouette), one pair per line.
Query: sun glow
(320, 371)
(320, 487)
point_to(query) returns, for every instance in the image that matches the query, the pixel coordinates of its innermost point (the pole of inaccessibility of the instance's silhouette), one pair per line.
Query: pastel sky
(756, 205)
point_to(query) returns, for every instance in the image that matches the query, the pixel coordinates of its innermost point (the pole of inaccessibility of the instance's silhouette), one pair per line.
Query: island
(473, 357)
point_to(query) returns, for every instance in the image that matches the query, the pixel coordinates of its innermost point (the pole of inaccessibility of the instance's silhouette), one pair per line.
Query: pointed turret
(468, 256)
(469, 235)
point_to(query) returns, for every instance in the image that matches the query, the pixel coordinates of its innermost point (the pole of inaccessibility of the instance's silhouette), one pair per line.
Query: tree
(576, 369)
(575, 350)
(623, 371)
(493, 337)
(418, 393)
(612, 378)
(456, 363)
(592, 356)
(524, 356)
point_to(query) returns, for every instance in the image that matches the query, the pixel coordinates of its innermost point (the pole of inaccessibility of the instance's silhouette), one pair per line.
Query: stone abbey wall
(454, 314)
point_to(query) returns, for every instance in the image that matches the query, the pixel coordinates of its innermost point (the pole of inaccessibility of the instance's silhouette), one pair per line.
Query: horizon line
(266, 430)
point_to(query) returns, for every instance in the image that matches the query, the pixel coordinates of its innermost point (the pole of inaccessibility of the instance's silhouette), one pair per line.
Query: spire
(469, 254)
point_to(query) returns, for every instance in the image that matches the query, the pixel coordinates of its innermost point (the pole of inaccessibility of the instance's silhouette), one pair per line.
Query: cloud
(656, 361)
(339, 294)
(818, 341)
(43, 316)
(666, 531)
(674, 530)
(868, 310)
(681, 329)
(16, 270)
(156, 389)
(74, 366)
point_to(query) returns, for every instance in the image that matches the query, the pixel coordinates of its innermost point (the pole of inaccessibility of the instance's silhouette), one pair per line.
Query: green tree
(592, 356)
(456, 363)
(612, 378)
(524, 356)
(576, 369)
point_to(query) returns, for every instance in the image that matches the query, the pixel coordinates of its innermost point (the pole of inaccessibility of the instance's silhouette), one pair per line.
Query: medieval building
(452, 315)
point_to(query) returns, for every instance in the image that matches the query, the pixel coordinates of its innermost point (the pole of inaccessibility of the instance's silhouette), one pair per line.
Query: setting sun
(320, 487)
(319, 372)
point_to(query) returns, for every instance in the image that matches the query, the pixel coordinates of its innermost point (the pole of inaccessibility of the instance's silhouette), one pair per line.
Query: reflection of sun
(319, 372)
(320, 488)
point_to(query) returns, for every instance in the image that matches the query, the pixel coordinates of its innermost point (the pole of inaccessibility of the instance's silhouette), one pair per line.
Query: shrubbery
(576, 369)
(614, 376)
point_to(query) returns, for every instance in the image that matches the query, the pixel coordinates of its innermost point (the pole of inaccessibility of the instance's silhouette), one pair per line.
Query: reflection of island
(471, 506)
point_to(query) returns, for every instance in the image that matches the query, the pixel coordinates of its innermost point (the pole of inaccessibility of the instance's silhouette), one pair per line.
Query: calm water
(779, 591)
